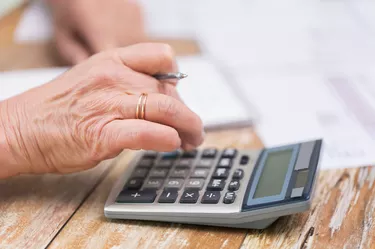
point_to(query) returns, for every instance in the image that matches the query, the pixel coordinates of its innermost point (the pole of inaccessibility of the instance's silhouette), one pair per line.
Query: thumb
(138, 134)
(70, 48)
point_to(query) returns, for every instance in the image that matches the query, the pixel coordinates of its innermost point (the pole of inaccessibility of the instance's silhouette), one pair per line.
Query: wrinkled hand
(87, 114)
(86, 27)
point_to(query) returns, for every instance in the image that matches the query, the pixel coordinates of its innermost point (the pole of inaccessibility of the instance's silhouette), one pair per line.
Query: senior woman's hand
(88, 114)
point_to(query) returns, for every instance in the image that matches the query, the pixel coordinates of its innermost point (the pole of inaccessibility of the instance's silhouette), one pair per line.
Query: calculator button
(194, 184)
(168, 196)
(170, 155)
(211, 197)
(159, 173)
(153, 183)
(185, 163)
(145, 163)
(134, 184)
(238, 174)
(234, 185)
(189, 196)
(180, 173)
(229, 197)
(200, 173)
(146, 196)
(165, 163)
(225, 163)
(209, 153)
(174, 183)
(229, 153)
(244, 160)
(140, 173)
(221, 173)
(189, 154)
(216, 184)
(150, 154)
(205, 163)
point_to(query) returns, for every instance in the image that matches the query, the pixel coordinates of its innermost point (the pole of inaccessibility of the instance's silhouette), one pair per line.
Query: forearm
(8, 164)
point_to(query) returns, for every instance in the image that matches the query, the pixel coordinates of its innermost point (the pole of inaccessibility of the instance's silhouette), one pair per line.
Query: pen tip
(182, 75)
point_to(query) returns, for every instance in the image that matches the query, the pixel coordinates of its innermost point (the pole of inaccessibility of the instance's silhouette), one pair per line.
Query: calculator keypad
(209, 176)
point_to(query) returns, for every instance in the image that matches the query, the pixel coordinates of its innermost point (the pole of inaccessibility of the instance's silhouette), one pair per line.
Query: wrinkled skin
(88, 114)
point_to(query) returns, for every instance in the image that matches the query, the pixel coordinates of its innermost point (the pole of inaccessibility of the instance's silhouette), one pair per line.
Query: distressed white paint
(347, 190)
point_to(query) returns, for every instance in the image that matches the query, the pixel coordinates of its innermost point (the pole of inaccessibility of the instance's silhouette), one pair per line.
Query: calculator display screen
(272, 178)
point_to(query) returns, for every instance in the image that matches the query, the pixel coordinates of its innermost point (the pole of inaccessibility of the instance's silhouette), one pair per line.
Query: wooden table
(67, 211)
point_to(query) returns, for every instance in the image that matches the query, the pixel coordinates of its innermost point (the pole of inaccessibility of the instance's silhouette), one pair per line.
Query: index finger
(148, 58)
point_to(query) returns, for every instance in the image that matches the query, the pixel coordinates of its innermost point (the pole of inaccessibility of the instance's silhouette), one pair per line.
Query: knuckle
(168, 107)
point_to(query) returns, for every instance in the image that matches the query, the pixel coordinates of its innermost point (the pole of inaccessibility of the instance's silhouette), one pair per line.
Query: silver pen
(168, 76)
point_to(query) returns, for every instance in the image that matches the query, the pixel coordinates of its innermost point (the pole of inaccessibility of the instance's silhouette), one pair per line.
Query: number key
(153, 184)
(225, 163)
(180, 173)
(134, 184)
(145, 163)
(185, 163)
(194, 184)
(229, 197)
(234, 185)
(200, 173)
(221, 173)
(209, 153)
(140, 173)
(238, 174)
(216, 184)
(159, 173)
(164, 163)
(205, 162)
(229, 153)
(174, 184)
(189, 154)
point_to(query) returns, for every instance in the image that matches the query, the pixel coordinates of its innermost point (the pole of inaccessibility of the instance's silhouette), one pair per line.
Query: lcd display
(272, 178)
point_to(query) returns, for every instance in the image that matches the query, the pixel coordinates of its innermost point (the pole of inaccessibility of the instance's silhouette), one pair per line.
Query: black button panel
(210, 176)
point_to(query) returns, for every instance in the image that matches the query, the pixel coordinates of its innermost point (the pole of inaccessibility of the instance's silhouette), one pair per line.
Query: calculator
(226, 187)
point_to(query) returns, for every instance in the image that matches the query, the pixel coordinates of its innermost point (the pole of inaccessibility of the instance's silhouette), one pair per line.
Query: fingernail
(188, 147)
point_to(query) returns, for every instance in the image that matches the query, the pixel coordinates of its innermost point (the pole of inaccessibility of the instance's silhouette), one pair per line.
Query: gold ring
(140, 112)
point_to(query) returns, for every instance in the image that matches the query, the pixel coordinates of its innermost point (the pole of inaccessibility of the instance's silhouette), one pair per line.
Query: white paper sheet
(205, 91)
(338, 107)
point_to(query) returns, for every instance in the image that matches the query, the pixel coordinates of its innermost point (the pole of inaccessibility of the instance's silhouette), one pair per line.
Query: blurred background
(295, 69)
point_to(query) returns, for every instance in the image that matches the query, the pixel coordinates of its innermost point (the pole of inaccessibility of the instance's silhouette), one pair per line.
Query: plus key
(145, 196)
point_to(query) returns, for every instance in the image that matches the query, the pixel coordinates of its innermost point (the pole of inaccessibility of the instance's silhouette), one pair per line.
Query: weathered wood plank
(342, 216)
(34, 208)
(88, 228)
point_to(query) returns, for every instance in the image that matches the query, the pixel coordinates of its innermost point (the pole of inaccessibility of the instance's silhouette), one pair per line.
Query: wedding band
(140, 112)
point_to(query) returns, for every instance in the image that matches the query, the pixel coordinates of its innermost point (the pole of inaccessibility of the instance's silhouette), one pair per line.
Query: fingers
(138, 134)
(148, 58)
(69, 48)
(168, 111)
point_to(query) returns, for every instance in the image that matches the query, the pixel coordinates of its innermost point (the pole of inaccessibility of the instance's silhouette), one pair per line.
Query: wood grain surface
(67, 211)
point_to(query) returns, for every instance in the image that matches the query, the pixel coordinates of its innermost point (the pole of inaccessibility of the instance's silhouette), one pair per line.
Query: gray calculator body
(256, 187)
